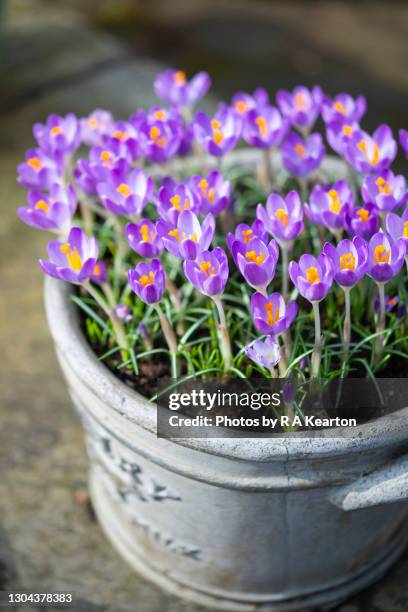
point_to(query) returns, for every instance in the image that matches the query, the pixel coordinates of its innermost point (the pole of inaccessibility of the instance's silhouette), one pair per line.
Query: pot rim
(71, 343)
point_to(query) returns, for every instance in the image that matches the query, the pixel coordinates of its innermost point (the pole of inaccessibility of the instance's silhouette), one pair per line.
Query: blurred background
(60, 56)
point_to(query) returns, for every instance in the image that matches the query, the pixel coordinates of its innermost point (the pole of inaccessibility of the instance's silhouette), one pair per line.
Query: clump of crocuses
(187, 247)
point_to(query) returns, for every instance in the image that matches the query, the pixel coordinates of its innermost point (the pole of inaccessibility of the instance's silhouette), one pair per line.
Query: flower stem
(175, 300)
(225, 343)
(268, 167)
(379, 344)
(116, 322)
(317, 352)
(285, 257)
(170, 339)
(347, 322)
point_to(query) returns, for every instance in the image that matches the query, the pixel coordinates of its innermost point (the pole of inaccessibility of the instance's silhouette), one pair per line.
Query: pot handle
(383, 486)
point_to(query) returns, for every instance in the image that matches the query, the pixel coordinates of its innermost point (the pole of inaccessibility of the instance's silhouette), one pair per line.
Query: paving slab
(49, 539)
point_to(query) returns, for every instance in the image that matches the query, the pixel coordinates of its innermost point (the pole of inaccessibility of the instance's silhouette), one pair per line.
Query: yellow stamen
(119, 135)
(362, 145)
(340, 108)
(105, 157)
(160, 115)
(42, 205)
(56, 130)
(363, 214)
(97, 270)
(124, 190)
(252, 256)
(34, 163)
(205, 267)
(335, 204)
(203, 185)
(92, 122)
(347, 130)
(247, 234)
(312, 275)
(381, 254)
(282, 216)
(211, 194)
(300, 101)
(147, 280)
(175, 200)
(218, 136)
(240, 106)
(405, 229)
(144, 232)
(271, 316)
(347, 262)
(175, 234)
(155, 134)
(383, 186)
(300, 150)
(180, 77)
(262, 126)
(72, 256)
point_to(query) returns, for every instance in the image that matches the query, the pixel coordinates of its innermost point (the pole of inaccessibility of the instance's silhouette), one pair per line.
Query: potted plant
(189, 260)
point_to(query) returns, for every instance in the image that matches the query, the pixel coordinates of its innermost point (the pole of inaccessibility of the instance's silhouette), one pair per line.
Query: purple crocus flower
(329, 204)
(390, 303)
(122, 311)
(173, 198)
(99, 273)
(349, 259)
(397, 227)
(102, 160)
(265, 353)
(144, 239)
(244, 234)
(271, 315)
(93, 127)
(243, 102)
(374, 153)
(256, 261)
(126, 195)
(209, 272)
(74, 260)
(52, 211)
(386, 190)
(385, 257)
(172, 86)
(362, 221)
(39, 171)
(343, 108)
(302, 106)
(59, 135)
(403, 138)
(312, 276)
(219, 135)
(123, 139)
(339, 134)
(160, 139)
(212, 193)
(148, 281)
(302, 156)
(264, 127)
(188, 238)
(283, 217)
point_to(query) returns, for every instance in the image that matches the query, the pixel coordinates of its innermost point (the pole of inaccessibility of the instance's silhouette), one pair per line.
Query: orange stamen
(124, 190)
(252, 256)
(42, 205)
(347, 262)
(381, 254)
(312, 275)
(147, 280)
(282, 216)
(271, 316)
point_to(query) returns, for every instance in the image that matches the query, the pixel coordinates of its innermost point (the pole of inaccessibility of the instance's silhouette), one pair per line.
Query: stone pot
(242, 524)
